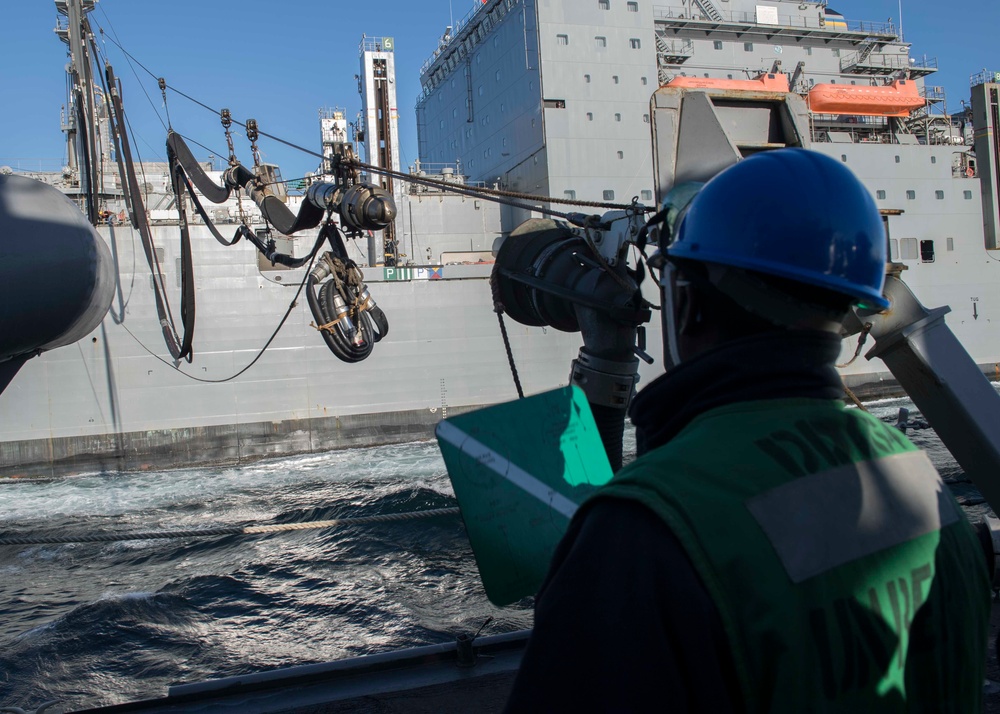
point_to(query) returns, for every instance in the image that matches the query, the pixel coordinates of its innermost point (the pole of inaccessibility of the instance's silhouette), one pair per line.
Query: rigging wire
(291, 306)
(477, 191)
(129, 59)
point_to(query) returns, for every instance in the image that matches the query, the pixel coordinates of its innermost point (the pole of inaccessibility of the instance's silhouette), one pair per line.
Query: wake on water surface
(102, 623)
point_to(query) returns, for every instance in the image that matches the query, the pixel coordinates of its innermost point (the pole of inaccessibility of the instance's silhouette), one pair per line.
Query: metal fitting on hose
(321, 270)
(323, 195)
(609, 383)
(367, 208)
(365, 299)
(343, 318)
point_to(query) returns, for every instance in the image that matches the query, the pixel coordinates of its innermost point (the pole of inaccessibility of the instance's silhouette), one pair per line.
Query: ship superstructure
(546, 98)
(554, 98)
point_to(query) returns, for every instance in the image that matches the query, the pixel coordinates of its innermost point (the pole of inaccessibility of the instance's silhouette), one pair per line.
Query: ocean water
(102, 623)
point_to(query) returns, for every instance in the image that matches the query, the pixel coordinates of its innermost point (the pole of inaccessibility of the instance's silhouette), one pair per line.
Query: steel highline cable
(477, 191)
(215, 531)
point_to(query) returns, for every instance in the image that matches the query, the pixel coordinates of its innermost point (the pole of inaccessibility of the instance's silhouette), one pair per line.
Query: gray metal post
(944, 383)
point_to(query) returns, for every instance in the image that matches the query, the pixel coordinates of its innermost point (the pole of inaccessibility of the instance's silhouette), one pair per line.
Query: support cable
(477, 191)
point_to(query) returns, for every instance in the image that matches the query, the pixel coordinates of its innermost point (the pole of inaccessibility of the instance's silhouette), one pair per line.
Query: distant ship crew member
(770, 550)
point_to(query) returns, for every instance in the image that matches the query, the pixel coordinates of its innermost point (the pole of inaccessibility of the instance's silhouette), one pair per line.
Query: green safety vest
(847, 578)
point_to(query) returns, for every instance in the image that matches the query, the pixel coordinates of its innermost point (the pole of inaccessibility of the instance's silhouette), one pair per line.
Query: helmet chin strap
(671, 354)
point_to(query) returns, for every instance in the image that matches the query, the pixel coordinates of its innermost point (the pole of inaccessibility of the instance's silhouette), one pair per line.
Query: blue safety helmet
(794, 214)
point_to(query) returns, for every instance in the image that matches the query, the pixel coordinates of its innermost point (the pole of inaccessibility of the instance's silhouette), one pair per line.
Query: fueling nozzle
(361, 207)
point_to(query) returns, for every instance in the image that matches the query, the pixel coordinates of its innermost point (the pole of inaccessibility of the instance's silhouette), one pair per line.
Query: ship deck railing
(801, 22)
(984, 77)
(933, 95)
(33, 165)
(459, 26)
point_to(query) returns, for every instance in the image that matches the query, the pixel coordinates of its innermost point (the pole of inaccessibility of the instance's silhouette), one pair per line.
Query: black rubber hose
(611, 425)
(325, 312)
(381, 322)
(178, 150)
(348, 351)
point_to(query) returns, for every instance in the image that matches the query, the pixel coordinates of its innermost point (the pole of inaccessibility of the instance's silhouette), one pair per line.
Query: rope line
(214, 531)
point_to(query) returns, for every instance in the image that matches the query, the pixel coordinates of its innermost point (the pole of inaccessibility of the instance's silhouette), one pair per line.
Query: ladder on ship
(710, 10)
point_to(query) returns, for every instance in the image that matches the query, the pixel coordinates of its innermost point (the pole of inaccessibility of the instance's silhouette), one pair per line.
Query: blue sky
(280, 62)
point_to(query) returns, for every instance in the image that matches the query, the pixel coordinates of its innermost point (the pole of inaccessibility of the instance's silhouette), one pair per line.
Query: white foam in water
(110, 495)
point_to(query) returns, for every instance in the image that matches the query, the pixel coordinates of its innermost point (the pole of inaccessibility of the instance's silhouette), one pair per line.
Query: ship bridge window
(939, 195)
(646, 194)
(967, 195)
(615, 79)
(843, 157)
(601, 41)
(586, 78)
(927, 251)
(621, 154)
(644, 81)
(933, 159)
(748, 46)
(949, 243)
(635, 43)
(911, 195)
(618, 117)
(645, 118)
(908, 248)
(717, 44)
(562, 40)
(897, 158)
(604, 4)
(590, 116)
(632, 6)
(609, 195)
(880, 195)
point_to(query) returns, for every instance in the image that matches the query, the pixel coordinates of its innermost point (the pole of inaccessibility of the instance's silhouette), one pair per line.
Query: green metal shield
(519, 471)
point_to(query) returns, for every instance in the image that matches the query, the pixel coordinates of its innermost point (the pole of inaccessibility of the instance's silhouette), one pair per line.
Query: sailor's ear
(688, 309)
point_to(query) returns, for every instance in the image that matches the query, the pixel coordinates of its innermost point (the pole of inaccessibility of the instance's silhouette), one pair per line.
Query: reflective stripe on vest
(827, 519)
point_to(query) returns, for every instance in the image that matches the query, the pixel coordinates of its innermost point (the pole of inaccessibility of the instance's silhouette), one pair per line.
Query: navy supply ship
(529, 105)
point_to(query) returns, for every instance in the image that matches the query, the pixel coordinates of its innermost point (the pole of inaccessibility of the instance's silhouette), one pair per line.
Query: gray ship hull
(112, 402)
